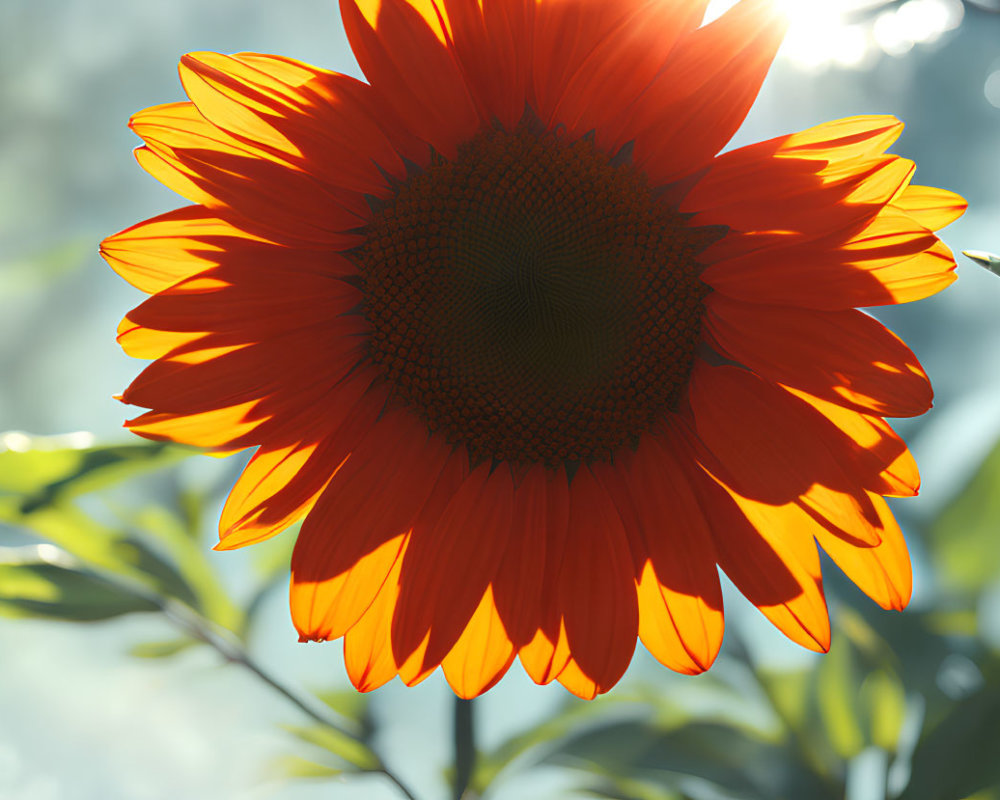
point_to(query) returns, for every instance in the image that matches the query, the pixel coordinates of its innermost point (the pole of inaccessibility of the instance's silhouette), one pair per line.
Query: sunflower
(529, 356)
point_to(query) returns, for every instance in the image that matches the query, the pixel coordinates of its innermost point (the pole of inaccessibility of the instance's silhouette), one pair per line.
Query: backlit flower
(528, 356)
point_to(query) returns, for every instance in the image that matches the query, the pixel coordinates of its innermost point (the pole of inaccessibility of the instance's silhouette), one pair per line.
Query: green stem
(234, 652)
(465, 746)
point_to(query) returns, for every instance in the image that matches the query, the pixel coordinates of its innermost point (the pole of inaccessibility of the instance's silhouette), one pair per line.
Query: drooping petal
(871, 446)
(348, 544)
(547, 653)
(882, 572)
(483, 652)
(845, 356)
(680, 599)
(450, 564)
(367, 645)
(595, 586)
(518, 585)
(768, 552)
(770, 449)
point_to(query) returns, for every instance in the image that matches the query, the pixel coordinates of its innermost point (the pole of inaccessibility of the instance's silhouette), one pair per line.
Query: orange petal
(815, 181)
(875, 449)
(930, 207)
(450, 563)
(161, 251)
(224, 429)
(769, 553)
(482, 654)
(270, 196)
(367, 648)
(770, 447)
(277, 370)
(892, 260)
(544, 657)
(401, 49)
(488, 42)
(846, 357)
(351, 538)
(281, 483)
(883, 572)
(308, 117)
(547, 652)
(680, 599)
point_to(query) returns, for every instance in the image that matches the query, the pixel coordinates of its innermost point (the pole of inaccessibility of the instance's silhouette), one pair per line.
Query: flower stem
(234, 652)
(465, 746)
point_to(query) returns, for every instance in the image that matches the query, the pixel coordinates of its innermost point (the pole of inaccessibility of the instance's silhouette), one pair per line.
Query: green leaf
(630, 789)
(573, 716)
(963, 539)
(346, 749)
(44, 470)
(53, 591)
(737, 760)
(837, 694)
(884, 699)
(187, 565)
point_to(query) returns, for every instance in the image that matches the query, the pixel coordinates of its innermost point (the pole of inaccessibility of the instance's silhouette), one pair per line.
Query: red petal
(704, 91)
(595, 586)
(350, 540)
(680, 599)
(845, 356)
(404, 56)
(449, 565)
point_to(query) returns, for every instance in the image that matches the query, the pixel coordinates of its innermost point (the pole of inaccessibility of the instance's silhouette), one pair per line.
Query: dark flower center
(533, 299)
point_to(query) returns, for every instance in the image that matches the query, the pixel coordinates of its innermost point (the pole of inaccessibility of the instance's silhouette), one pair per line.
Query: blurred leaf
(346, 749)
(630, 789)
(165, 577)
(189, 563)
(961, 754)
(573, 716)
(57, 592)
(42, 472)
(165, 649)
(296, 767)
(883, 697)
(736, 760)
(348, 703)
(837, 693)
(790, 693)
(965, 538)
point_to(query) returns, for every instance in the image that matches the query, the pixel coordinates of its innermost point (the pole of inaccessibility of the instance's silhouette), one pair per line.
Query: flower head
(528, 356)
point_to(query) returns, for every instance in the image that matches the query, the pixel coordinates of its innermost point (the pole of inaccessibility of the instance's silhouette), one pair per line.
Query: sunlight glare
(822, 33)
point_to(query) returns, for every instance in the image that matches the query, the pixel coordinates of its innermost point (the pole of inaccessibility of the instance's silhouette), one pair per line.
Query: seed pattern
(533, 299)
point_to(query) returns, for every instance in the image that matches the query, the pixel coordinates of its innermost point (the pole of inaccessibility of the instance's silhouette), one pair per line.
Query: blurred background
(105, 689)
